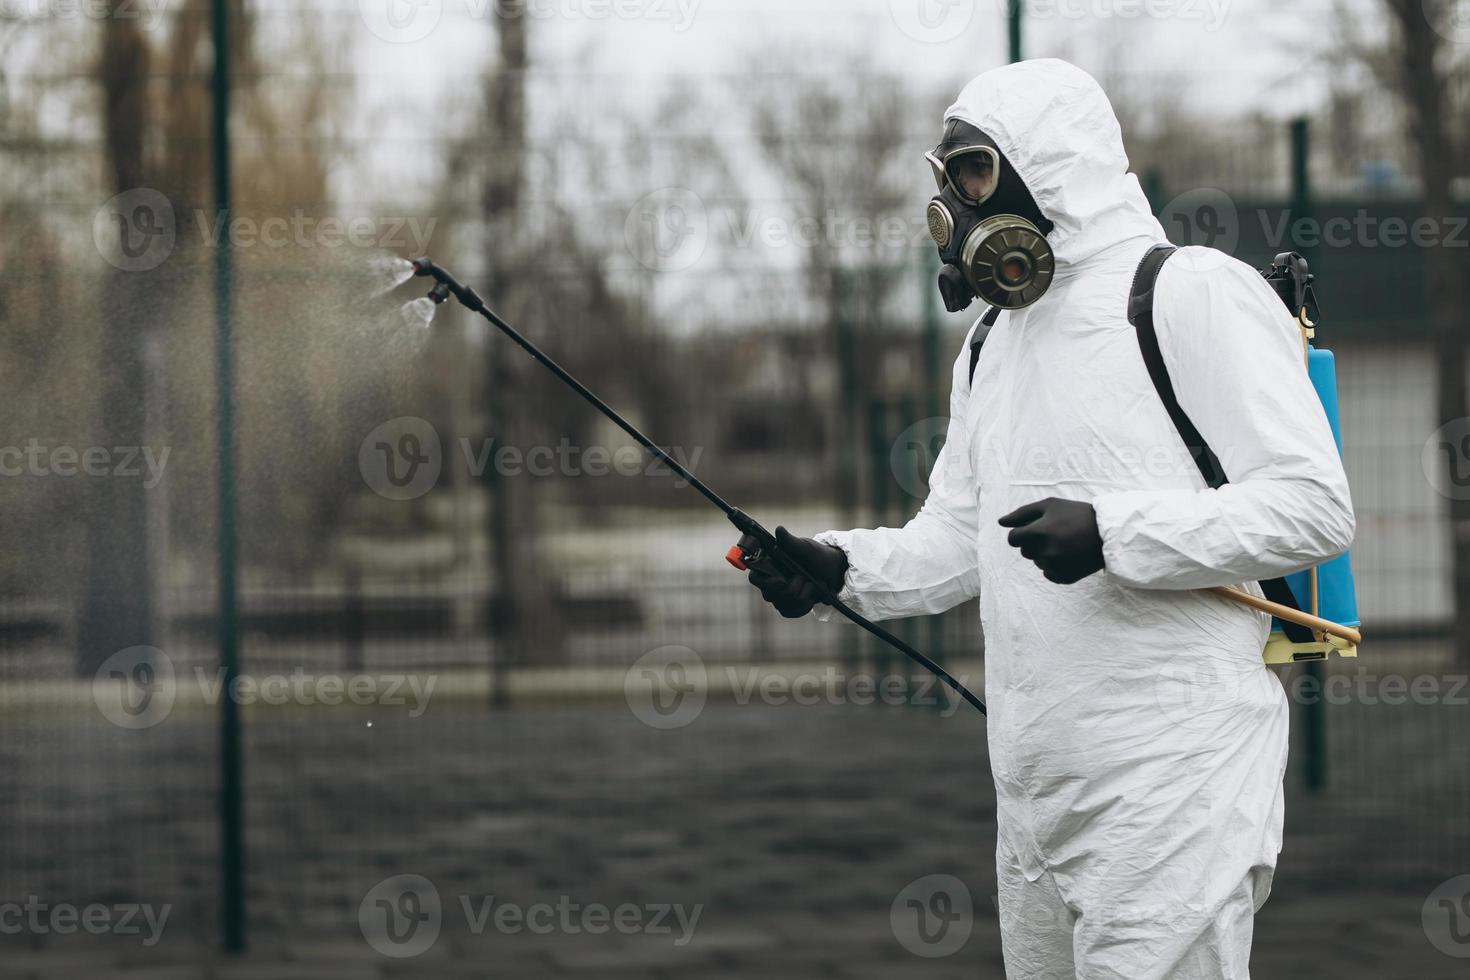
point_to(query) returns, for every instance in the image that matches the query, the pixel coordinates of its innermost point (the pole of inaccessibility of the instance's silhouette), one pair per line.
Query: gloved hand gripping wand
(757, 546)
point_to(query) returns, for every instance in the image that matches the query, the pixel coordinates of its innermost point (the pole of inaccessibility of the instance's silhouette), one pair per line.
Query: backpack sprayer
(1309, 608)
(757, 546)
(1325, 591)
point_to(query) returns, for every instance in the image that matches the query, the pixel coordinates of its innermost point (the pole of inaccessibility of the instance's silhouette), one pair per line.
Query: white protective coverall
(1137, 740)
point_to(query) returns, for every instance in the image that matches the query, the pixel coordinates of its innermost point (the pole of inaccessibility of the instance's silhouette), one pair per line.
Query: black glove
(794, 595)
(1060, 536)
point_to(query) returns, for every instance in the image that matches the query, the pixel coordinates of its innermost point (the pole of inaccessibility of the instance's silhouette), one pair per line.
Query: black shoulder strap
(1141, 315)
(981, 332)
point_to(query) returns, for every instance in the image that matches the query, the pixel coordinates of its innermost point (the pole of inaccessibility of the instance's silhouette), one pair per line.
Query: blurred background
(332, 627)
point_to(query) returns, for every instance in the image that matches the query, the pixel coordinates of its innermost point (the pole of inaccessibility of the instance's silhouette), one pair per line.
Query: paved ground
(798, 835)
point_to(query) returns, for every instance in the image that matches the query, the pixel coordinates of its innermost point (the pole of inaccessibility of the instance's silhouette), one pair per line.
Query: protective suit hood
(1056, 126)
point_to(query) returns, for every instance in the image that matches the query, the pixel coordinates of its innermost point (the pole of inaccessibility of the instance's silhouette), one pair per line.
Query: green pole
(231, 797)
(933, 380)
(1153, 188)
(879, 654)
(1013, 28)
(1314, 719)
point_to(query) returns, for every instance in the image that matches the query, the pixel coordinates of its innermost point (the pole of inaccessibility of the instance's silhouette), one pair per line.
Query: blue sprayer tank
(1336, 598)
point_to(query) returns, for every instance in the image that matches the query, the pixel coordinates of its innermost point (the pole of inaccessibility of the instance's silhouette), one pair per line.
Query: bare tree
(526, 600)
(840, 143)
(118, 605)
(1418, 69)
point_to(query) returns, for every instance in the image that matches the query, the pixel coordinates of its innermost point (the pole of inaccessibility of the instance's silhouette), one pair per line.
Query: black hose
(447, 284)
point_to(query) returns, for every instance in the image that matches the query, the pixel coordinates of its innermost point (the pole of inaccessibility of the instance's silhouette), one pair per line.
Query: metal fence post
(1313, 716)
(231, 796)
(934, 382)
(1014, 10)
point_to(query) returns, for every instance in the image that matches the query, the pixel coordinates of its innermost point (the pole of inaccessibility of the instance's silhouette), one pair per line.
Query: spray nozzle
(446, 285)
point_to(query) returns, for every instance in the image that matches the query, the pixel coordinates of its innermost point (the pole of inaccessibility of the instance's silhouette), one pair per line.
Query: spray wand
(757, 546)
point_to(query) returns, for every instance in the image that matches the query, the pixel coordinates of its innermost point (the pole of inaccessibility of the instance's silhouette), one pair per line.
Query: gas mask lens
(972, 171)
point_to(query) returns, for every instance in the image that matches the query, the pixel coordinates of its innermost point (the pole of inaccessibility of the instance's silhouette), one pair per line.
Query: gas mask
(990, 234)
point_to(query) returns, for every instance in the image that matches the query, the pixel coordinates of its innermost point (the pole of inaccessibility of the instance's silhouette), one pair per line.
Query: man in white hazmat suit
(1137, 740)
